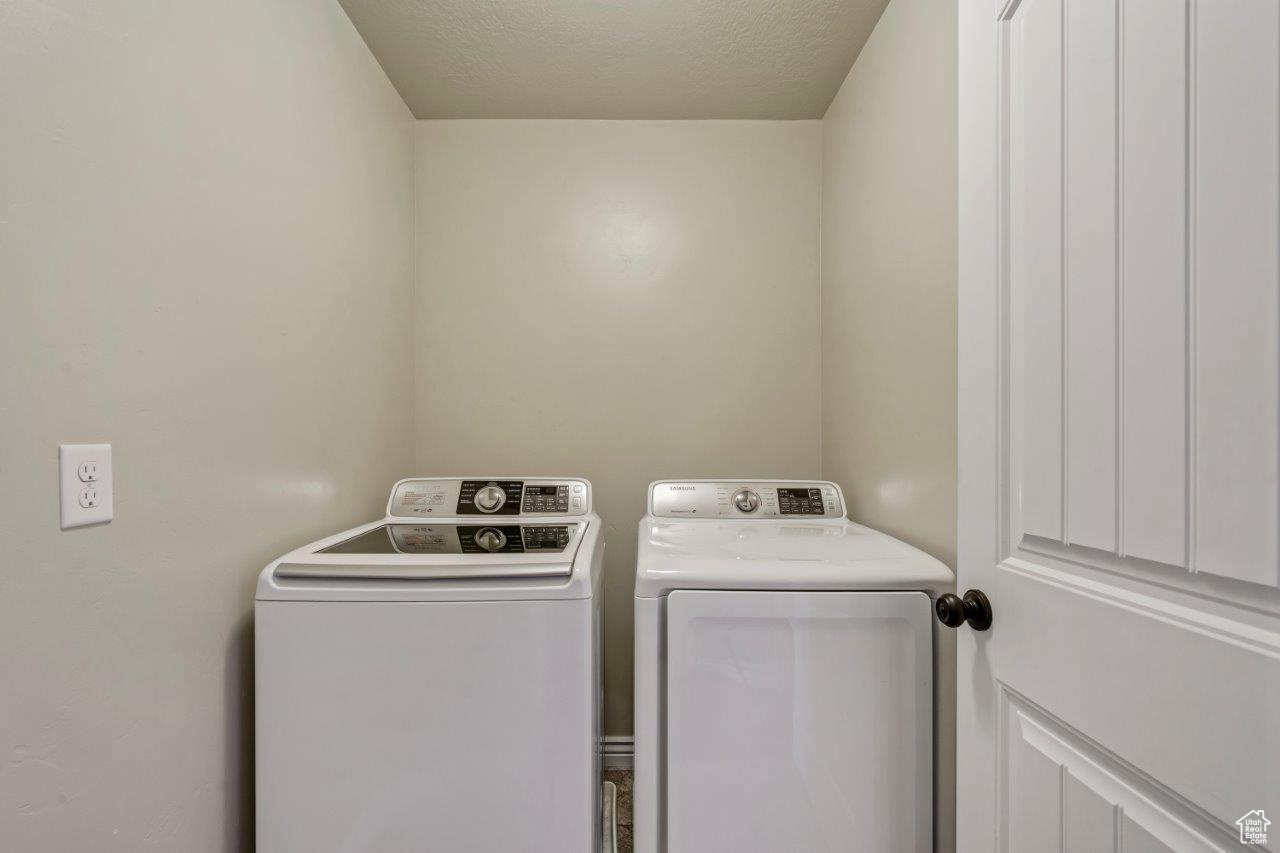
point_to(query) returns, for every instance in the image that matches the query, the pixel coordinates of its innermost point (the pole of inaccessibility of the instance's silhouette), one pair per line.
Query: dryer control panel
(746, 499)
(441, 497)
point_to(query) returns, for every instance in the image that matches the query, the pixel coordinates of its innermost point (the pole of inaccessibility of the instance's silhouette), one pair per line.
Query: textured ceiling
(618, 59)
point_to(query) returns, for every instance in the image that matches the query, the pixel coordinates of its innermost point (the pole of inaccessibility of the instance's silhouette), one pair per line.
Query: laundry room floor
(623, 778)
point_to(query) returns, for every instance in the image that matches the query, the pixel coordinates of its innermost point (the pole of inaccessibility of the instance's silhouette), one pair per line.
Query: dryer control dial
(491, 539)
(490, 499)
(746, 500)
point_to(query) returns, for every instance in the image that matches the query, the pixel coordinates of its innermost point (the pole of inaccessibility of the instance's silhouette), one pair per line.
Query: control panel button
(490, 499)
(746, 500)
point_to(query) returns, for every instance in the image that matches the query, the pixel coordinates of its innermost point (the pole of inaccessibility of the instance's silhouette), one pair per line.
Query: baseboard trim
(619, 752)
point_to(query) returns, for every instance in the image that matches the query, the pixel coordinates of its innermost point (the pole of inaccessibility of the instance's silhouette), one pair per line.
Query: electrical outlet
(85, 479)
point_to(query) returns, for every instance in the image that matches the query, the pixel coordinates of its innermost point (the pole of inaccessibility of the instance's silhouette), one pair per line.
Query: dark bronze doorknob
(953, 611)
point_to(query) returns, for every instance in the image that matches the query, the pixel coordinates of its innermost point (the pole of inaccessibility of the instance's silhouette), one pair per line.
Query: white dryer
(431, 680)
(784, 674)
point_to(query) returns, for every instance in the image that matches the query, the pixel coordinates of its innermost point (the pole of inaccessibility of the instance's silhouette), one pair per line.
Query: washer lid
(783, 555)
(458, 559)
(478, 539)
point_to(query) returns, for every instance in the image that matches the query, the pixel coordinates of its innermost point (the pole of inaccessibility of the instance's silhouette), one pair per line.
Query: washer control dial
(491, 539)
(746, 500)
(490, 499)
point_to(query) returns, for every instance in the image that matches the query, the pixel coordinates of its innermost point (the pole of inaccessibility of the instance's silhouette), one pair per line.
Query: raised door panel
(1063, 793)
(1153, 288)
(1035, 160)
(1142, 224)
(1090, 294)
(1232, 274)
(1137, 591)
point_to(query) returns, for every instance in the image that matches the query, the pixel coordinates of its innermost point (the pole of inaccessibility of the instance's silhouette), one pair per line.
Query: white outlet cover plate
(73, 460)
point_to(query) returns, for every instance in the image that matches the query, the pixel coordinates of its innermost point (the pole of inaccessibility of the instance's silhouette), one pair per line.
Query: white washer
(431, 681)
(784, 674)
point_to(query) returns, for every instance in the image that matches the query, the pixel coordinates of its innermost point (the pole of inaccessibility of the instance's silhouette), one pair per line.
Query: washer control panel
(743, 499)
(439, 497)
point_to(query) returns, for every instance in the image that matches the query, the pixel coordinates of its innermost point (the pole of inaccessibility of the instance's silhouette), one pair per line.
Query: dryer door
(799, 721)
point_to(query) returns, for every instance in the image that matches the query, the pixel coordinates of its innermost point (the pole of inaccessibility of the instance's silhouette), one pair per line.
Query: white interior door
(1120, 206)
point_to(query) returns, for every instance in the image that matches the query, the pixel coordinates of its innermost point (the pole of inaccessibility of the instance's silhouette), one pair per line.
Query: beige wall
(888, 279)
(205, 255)
(621, 300)
(205, 259)
(889, 302)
